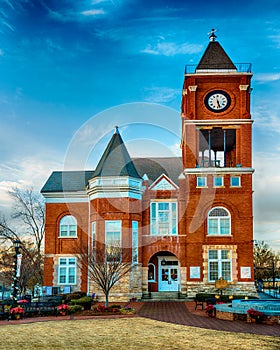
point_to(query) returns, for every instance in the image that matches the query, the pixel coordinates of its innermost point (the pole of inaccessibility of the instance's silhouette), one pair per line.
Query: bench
(199, 302)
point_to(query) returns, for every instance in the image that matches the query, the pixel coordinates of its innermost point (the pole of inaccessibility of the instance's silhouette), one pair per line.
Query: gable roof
(215, 57)
(163, 183)
(116, 160)
(67, 181)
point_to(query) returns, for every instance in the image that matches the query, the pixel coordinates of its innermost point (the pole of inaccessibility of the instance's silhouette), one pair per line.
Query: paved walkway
(183, 313)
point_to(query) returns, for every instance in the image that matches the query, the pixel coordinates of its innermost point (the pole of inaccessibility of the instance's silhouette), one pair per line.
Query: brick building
(187, 221)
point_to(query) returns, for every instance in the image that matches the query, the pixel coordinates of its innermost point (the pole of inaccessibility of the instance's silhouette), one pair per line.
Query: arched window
(151, 272)
(68, 226)
(219, 222)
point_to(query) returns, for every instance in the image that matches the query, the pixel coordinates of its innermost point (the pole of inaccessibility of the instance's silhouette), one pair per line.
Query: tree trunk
(107, 299)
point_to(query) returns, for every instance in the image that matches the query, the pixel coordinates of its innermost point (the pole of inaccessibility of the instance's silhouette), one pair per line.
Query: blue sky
(70, 70)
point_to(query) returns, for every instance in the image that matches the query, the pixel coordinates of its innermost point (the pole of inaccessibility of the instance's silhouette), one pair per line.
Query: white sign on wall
(195, 272)
(245, 271)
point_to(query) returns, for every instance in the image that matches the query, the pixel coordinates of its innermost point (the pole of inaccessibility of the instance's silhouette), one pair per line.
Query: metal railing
(209, 68)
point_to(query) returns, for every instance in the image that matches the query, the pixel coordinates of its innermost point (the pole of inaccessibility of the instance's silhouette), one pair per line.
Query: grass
(124, 334)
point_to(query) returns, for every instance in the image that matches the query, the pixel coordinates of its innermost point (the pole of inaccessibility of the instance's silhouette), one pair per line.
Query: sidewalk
(184, 313)
(176, 312)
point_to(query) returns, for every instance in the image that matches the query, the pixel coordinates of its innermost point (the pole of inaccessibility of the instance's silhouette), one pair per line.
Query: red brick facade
(187, 249)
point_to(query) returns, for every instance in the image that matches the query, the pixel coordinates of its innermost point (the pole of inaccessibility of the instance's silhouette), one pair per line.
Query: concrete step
(164, 296)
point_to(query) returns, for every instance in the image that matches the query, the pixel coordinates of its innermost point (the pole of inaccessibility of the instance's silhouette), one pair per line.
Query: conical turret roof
(116, 160)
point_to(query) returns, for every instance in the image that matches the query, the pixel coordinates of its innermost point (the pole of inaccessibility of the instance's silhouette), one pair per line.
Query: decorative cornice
(212, 170)
(218, 121)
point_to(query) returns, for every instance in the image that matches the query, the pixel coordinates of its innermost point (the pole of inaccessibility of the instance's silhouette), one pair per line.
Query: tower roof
(116, 160)
(215, 56)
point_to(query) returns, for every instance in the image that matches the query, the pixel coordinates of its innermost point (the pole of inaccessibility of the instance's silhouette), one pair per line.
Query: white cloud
(161, 94)
(93, 12)
(24, 173)
(171, 49)
(262, 78)
(266, 196)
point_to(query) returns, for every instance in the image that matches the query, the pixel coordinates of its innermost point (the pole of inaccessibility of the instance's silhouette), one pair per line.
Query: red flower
(17, 310)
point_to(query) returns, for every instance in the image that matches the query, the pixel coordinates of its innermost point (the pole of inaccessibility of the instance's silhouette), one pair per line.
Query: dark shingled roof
(154, 167)
(215, 57)
(67, 181)
(74, 181)
(115, 160)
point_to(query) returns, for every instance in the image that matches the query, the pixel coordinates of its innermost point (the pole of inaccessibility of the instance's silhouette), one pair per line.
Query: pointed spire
(214, 57)
(116, 160)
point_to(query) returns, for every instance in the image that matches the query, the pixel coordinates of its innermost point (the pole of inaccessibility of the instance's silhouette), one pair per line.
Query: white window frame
(218, 177)
(164, 222)
(66, 264)
(201, 181)
(234, 178)
(153, 267)
(115, 231)
(134, 242)
(219, 220)
(68, 227)
(220, 261)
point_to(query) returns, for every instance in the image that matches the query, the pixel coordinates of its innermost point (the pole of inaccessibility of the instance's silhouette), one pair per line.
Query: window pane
(224, 227)
(63, 230)
(163, 216)
(134, 241)
(201, 181)
(218, 212)
(72, 261)
(226, 270)
(163, 206)
(218, 181)
(62, 261)
(213, 273)
(225, 254)
(72, 230)
(113, 226)
(62, 275)
(235, 181)
(72, 274)
(151, 272)
(212, 226)
(213, 254)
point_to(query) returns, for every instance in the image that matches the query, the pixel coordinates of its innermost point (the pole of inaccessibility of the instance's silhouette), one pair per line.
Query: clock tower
(217, 163)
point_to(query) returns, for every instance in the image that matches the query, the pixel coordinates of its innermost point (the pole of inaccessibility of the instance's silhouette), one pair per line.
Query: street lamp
(17, 264)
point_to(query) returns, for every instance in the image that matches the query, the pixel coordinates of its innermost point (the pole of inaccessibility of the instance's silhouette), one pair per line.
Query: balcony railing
(239, 68)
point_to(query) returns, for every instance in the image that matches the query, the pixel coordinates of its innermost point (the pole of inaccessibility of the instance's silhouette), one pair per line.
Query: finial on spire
(213, 36)
(117, 129)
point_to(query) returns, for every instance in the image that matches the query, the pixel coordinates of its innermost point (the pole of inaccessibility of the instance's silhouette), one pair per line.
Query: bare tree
(107, 265)
(266, 262)
(27, 225)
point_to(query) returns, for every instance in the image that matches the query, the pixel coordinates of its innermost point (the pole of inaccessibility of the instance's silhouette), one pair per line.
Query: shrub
(85, 301)
(75, 295)
(75, 308)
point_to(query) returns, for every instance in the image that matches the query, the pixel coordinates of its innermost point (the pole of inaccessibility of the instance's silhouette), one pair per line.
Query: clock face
(217, 101)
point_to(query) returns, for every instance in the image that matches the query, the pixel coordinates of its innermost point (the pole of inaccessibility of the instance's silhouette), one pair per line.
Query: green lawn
(126, 333)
